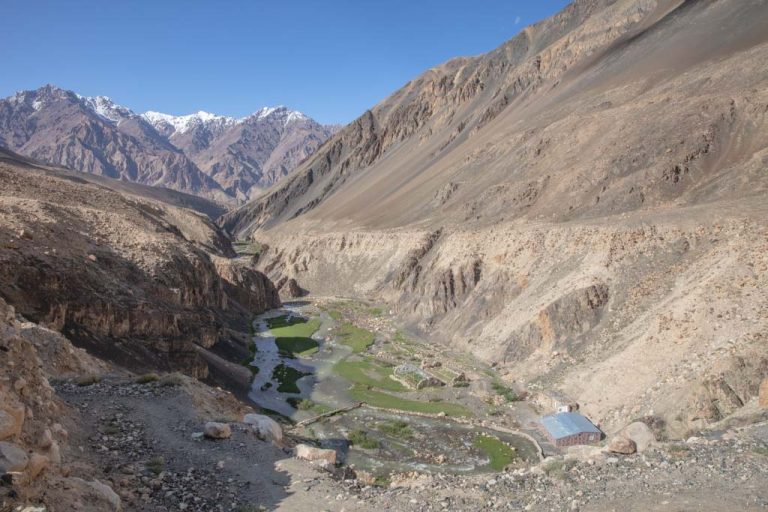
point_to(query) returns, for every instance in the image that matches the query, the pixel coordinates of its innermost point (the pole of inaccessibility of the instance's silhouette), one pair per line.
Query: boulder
(108, 494)
(640, 433)
(9, 427)
(623, 445)
(37, 464)
(306, 452)
(214, 430)
(762, 395)
(12, 458)
(95, 495)
(264, 427)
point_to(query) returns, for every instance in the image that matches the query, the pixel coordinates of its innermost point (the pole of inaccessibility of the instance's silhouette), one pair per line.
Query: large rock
(12, 458)
(9, 426)
(306, 452)
(214, 430)
(265, 427)
(95, 495)
(640, 433)
(623, 445)
(762, 395)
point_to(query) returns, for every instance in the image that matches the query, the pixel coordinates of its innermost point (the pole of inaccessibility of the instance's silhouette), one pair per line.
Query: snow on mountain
(185, 123)
(106, 108)
(182, 124)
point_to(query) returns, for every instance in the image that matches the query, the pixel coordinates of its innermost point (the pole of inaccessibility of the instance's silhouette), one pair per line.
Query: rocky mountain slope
(135, 281)
(584, 206)
(215, 157)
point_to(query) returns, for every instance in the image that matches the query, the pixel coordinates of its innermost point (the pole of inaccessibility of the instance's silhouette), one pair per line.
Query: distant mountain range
(222, 158)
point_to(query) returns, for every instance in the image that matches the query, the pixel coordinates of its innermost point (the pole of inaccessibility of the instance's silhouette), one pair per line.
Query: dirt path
(143, 437)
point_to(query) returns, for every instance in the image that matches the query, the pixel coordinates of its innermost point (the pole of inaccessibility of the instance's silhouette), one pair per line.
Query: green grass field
(287, 377)
(292, 336)
(500, 453)
(297, 346)
(368, 373)
(357, 338)
(378, 399)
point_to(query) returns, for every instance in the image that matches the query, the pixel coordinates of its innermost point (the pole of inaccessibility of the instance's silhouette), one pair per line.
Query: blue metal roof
(564, 424)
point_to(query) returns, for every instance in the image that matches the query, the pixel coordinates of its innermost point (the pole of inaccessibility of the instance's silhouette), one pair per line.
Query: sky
(331, 59)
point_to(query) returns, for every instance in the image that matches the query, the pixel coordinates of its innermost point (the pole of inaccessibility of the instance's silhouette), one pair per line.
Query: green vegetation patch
(292, 334)
(363, 439)
(297, 346)
(507, 392)
(368, 373)
(357, 338)
(156, 465)
(397, 428)
(293, 327)
(500, 453)
(147, 378)
(286, 377)
(387, 401)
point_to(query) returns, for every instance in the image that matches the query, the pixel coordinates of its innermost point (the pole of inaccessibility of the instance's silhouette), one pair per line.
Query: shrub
(156, 465)
(87, 380)
(361, 439)
(172, 379)
(147, 378)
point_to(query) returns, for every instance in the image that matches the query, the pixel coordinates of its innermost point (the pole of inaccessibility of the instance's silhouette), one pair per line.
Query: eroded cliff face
(132, 280)
(627, 317)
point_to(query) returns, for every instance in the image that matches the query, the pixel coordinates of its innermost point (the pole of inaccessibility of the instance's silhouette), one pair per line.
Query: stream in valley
(393, 441)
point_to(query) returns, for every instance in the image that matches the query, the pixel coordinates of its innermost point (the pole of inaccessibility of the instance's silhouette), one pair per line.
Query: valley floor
(141, 438)
(144, 440)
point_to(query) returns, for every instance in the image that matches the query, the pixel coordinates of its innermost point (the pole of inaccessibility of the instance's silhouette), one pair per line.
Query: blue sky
(331, 59)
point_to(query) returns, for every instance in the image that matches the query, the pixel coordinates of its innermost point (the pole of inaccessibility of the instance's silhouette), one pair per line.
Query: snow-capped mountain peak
(182, 124)
(279, 112)
(106, 108)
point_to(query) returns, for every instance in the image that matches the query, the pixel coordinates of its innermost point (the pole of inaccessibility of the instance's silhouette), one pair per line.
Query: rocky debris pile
(32, 439)
(701, 474)
(151, 455)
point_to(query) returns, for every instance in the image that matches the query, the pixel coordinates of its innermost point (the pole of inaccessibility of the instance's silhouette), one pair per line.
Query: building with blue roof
(570, 428)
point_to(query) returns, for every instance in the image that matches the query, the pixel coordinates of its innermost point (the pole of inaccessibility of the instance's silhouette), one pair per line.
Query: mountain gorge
(206, 313)
(563, 207)
(223, 159)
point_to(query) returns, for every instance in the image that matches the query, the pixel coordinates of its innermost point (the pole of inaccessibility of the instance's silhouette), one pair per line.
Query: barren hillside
(136, 281)
(584, 206)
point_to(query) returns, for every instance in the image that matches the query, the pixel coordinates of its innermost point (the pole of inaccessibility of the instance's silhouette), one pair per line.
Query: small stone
(46, 440)
(310, 453)
(214, 430)
(37, 464)
(762, 395)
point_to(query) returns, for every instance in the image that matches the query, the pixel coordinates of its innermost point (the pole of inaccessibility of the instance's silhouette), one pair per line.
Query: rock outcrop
(132, 280)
